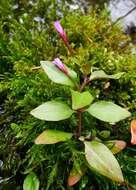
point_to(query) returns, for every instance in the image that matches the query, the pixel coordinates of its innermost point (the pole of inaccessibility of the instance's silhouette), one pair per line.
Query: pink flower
(61, 31)
(60, 65)
(133, 132)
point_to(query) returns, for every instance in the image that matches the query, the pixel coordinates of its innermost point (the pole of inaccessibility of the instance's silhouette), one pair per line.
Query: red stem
(86, 80)
(79, 129)
(69, 48)
(79, 112)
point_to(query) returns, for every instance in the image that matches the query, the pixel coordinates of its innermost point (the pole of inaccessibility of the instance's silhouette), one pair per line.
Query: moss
(97, 44)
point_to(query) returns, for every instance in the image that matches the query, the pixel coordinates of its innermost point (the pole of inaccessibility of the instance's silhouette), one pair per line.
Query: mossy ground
(23, 43)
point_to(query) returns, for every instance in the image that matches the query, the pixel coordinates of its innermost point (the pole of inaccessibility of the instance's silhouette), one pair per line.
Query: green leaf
(108, 111)
(115, 146)
(52, 111)
(100, 159)
(104, 134)
(57, 75)
(75, 176)
(80, 100)
(100, 74)
(52, 137)
(31, 182)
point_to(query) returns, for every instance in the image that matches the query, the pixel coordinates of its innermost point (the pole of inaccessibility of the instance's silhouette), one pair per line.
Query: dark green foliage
(23, 43)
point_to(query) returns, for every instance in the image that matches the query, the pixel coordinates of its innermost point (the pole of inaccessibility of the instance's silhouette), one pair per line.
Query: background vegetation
(27, 36)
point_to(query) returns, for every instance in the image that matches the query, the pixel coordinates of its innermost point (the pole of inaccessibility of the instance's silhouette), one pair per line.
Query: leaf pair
(70, 78)
(57, 110)
(103, 110)
(98, 156)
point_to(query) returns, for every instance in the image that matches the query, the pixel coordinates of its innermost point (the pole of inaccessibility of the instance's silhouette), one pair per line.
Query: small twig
(120, 18)
(36, 68)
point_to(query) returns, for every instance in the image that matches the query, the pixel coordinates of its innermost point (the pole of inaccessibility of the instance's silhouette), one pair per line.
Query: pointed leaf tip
(100, 159)
(74, 176)
(115, 146)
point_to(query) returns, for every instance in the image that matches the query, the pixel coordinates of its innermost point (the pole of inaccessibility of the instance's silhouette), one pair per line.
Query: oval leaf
(52, 111)
(116, 146)
(100, 159)
(80, 100)
(108, 111)
(74, 176)
(57, 75)
(52, 137)
(31, 182)
(100, 74)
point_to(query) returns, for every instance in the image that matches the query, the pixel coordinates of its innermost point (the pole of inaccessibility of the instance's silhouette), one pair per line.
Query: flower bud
(60, 65)
(61, 31)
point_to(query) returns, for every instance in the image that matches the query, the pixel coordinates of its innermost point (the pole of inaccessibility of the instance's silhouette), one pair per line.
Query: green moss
(96, 44)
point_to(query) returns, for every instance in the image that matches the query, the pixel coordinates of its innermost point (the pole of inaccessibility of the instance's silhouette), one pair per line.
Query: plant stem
(71, 51)
(79, 112)
(79, 128)
(86, 80)
(127, 185)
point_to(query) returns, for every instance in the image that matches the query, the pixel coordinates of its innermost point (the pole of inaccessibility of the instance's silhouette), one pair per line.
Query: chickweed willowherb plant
(98, 156)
